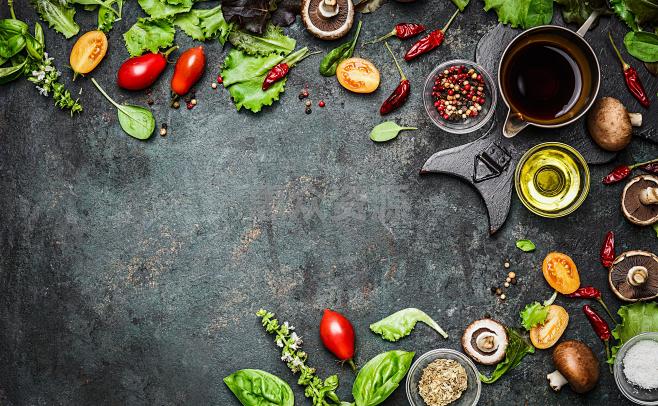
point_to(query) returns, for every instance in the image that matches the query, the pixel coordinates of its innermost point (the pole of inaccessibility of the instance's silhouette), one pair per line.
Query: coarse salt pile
(641, 364)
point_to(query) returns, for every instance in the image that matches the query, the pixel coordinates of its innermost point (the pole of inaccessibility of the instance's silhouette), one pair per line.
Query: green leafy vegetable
(577, 11)
(655, 228)
(244, 75)
(380, 376)
(254, 387)
(620, 9)
(164, 8)
(525, 245)
(401, 324)
(136, 121)
(635, 319)
(203, 24)
(273, 41)
(251, 15)
(461, 4)
(149, 35)
(517, 348)
(387, 131)
(58, 15)
(13, 72)
(642, 45)
(107, 15)
(331, 61)
(522, 13)
(645, 11)
(536, 313)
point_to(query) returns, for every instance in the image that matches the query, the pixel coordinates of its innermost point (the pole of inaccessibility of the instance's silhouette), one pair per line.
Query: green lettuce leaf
(522, 13)
(624, 14)
(58, 15)
(461, 4)
(533, 314)
(203, 24)
(149, 35)
(401, 324)
(577, 11)
(273, 41)
(162, 8)
(517, 348)
(635, 319)
(243, 76)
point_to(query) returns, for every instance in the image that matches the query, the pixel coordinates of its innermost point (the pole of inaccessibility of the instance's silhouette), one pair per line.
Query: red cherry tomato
(142, 71)
(188, 71)
(337, 335)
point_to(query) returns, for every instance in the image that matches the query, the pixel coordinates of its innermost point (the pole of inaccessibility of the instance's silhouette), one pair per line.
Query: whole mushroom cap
(633, 276)
(485, 341)
(634, 209)
(328, 19)
(609, 124)
(578, 364)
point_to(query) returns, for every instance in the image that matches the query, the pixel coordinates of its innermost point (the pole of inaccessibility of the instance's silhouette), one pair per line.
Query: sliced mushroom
(611, 125)
(485, 341)
(328, 19)
(634, 276)
(639, 202)
(576, 365)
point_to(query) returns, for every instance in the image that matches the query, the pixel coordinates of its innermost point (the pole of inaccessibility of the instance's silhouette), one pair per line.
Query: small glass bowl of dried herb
(443, 377)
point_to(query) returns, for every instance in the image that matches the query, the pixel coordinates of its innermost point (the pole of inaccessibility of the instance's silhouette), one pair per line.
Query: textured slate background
(130, 271)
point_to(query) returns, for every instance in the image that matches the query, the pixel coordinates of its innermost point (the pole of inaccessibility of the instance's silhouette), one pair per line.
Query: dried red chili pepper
(608, 250)
(429, 42)
(400, 94)
(623, 171)
(600, 327)
(632, 79)
(282, 69)
(590, 292)
(402, 31)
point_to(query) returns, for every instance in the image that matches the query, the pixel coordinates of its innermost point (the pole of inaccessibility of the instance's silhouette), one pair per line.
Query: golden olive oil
(550, 180)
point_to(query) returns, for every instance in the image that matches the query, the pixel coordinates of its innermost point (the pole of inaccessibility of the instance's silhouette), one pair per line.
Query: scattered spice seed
(190, 106)
(506, 265)
(308, 110)
(175, 104)
(193, 102)
(213, 85)
(163, 129)
(508, 280)
(308, 103)
(459, 93)
(503, 297)
(220, 79)
(494, 290)
(321, 103)
(513, 281)
(506, 284)
(511, 275)
(150, 101)
(499, 291)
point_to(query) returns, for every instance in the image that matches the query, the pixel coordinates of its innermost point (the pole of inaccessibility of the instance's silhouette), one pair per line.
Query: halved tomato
(546, 335)
(88, 52)
(358, 75)
(561, 273)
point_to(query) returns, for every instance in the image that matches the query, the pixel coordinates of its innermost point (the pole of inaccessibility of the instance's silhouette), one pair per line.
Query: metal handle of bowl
(588, 23)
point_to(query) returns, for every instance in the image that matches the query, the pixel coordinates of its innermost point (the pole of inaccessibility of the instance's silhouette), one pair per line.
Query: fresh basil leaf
(58, 15)
(34, 48)
(522, 13)
(525, 245)
(517, 348)
(38, 34)
(251, 15)
(203, 24)
(380, 376)
(149, 35)
(401, 324)
(387, 131)
(642, 45)
(10, 26)
(12, 45)
(12, 72)
(273, 41)
(254, 387)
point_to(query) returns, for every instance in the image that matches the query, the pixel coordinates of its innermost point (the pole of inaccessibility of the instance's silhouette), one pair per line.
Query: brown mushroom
(576, 365)
(611, 125)
(328, 19)
(485, 341)
(639, 201)
(634, 276)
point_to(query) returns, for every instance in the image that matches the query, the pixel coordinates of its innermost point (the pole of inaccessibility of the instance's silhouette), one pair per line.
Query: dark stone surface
(130, 271)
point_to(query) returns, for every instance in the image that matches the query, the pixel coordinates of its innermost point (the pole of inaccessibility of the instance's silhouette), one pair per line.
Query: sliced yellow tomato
(358, 75)
(88, 52)
(561, 273)
(546, 335)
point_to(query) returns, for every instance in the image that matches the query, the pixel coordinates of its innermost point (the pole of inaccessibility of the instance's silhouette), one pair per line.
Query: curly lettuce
(204, 24)
(149, 35)
(273, 41)
(58, 15)
(522, 13)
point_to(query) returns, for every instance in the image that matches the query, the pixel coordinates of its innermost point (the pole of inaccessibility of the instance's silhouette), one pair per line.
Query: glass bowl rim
(579, 159)
(618, 373)
(429, 105)
(438, 352)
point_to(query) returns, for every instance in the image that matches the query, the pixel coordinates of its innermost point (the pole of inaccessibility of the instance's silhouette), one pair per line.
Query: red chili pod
(429, 42)
(402, 31)
(617, 175)
(600, 327)
(401, 92)
(608, 250)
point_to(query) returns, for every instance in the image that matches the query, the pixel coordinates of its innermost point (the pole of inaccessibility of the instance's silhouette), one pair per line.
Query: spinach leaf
(402, 323)
(387, 131)
(136, 121)
(577, 11)
(624, 14)
(331, 61)
(635, 319)
(525, 245)
(149, 34)
(380, 376)
(642, 45)
(254, 387)
(517, 348)
(645, 11)
(273, 41)
(251, 15)
(203, 24)
(522, 13)
(58, 15)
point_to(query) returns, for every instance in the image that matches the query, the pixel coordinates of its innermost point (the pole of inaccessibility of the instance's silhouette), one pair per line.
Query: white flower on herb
(296, 341)
(286, 357)
(288, 326)
(297, 362)
(40, 75)
(279, 343)
(42, 91)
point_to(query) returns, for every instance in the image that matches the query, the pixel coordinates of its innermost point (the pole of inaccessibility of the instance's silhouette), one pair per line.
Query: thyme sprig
(321, 392)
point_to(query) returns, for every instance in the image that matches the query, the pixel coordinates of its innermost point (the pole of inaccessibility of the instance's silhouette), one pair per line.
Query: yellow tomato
(546, 335)
(358, 75)
(88, 52)
(561, 273)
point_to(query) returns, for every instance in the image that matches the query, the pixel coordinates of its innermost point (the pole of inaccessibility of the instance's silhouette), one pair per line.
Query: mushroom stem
(636, 119)
(328, 8)
(556, 380)
(637, 275)
(649, 196)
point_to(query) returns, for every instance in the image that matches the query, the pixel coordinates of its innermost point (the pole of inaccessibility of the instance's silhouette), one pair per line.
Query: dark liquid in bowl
(543, 81)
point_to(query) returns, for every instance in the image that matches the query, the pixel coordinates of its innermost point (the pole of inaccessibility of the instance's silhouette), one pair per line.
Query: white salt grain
(641, 364)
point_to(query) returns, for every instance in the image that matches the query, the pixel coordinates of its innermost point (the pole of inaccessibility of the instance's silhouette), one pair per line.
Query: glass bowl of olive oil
(552, 179)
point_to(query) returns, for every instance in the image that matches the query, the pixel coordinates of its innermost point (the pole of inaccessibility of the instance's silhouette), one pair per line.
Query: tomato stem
(170, 50)
(351, 363)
